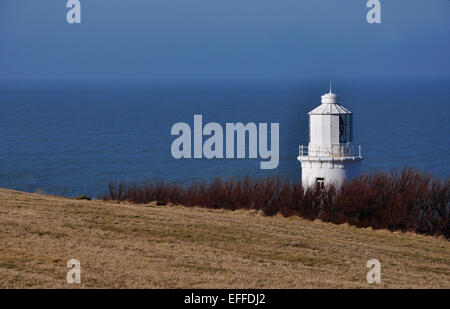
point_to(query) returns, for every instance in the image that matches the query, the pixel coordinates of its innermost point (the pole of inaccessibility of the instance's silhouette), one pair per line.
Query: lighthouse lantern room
(330, 157)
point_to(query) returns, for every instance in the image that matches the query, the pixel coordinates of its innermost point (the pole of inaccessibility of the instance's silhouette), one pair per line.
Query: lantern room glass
(345, 128)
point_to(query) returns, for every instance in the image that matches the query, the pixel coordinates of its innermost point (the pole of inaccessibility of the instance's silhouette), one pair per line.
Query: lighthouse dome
(329, 105)
(329, 109)
(330, 98)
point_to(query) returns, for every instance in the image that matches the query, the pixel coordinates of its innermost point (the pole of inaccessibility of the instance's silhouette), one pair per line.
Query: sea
(71, 137)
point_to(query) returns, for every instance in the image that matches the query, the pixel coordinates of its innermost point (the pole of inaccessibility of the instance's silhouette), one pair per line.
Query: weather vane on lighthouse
(329, 157)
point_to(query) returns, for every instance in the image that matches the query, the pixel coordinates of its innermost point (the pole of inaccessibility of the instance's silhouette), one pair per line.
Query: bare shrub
(405, 201)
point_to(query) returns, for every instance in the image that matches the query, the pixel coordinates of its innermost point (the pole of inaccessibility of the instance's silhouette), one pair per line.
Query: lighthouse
(330, 157)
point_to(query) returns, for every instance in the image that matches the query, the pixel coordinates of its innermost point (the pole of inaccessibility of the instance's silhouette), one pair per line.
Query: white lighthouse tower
(330, 157)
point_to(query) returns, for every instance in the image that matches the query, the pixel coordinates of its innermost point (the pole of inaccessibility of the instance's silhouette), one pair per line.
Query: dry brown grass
(146, 246)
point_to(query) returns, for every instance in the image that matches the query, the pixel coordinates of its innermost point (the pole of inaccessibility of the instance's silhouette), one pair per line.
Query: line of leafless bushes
(406, 200)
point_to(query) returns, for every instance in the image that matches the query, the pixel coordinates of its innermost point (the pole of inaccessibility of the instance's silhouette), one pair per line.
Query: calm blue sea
(72, 137)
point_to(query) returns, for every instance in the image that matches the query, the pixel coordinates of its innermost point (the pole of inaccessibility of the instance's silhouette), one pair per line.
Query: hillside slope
(148, 246)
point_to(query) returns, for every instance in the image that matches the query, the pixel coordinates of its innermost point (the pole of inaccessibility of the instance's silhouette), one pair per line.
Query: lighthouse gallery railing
(335, 151)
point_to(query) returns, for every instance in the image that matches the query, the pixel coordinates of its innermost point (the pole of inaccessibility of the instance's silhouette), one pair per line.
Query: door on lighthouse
(320, 182)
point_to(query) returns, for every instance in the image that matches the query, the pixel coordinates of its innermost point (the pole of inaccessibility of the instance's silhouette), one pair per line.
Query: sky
(224, 39)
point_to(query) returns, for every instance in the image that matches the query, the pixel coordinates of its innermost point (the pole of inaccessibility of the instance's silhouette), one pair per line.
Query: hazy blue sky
(224, 39)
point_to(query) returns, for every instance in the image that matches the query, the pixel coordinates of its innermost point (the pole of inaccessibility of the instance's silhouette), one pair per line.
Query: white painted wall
(334, 130)
(315, 129)
(331, 172)
(324, 132)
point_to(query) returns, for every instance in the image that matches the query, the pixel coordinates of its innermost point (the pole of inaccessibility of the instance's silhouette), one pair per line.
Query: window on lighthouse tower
(345, 128)
(341, 127)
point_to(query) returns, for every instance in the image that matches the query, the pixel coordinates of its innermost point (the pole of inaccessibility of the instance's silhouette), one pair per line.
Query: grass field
(149, 246)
